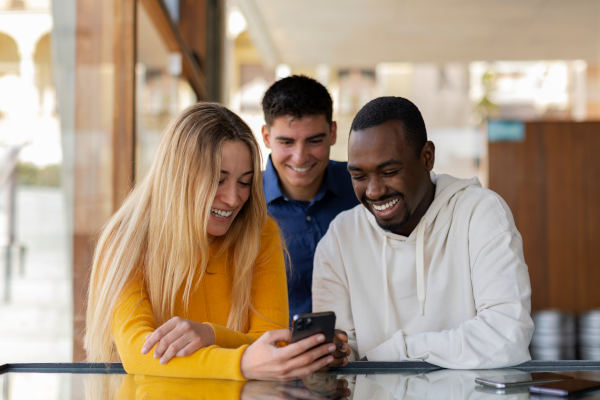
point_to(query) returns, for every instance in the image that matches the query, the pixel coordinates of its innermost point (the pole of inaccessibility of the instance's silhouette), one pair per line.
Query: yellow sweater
(138, 387)
(133, 318)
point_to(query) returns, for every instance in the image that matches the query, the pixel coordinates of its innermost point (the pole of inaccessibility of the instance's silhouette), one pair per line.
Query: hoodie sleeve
(330, 290)
(499, 334)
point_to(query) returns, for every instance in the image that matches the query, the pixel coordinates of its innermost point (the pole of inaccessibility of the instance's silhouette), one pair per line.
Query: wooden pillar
(104, 133)
(215, 17)
(105, 126)
(202, 27)
(173, 40)
(123, 135)
(192, 25)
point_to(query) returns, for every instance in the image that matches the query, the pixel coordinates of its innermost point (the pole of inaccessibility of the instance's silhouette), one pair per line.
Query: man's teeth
(221, 213)
(300, 169)
(385, 206)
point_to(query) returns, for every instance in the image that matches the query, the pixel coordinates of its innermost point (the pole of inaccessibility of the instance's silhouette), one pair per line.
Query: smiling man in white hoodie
(429, 267)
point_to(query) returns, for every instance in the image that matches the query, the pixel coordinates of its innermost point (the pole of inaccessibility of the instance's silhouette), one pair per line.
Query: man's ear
(333, 132)
(428, 155)
(266, 136)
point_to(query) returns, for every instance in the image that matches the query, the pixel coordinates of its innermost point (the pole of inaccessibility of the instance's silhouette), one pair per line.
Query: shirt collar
(271, 182)
(332, 182)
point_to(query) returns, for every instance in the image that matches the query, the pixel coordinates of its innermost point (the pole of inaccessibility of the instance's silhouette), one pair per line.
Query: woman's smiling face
(234, 187)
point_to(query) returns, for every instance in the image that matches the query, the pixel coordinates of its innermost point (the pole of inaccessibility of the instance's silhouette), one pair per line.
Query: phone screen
(564, 388)
(520, 378)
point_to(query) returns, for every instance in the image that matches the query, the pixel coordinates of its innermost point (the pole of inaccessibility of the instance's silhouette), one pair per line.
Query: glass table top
(360, 380)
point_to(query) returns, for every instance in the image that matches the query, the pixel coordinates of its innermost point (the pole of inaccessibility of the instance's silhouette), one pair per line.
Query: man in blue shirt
(304, 190)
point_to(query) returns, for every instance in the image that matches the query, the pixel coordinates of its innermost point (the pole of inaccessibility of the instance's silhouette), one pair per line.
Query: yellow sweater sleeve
(133, 320)
(269, 293)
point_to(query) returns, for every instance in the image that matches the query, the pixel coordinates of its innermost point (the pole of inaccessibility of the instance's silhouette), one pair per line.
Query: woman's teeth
(300, 169)
(385, 206)
(221, 213)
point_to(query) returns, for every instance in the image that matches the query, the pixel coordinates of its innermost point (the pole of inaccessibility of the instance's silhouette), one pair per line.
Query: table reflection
(318, 386)
(406, 384)
(441, 384)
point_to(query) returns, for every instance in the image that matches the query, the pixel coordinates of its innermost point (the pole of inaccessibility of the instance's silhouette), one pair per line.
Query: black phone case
(305, 325)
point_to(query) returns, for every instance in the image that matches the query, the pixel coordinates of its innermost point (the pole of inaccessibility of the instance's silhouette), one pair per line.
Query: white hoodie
(454, 293)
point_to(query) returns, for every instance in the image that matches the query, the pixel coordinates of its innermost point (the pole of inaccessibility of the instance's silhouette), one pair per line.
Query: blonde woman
(188, 275)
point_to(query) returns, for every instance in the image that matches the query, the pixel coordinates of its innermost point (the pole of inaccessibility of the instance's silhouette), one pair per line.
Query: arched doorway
(9, 55)
(42, 58)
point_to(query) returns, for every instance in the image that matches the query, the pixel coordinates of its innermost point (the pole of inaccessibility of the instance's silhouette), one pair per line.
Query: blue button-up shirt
(304, 223)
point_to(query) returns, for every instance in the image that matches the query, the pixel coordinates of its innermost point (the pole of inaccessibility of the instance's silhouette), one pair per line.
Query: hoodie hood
(446, 187)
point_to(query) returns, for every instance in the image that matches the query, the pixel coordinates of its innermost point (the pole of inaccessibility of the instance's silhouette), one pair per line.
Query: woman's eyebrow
(225, 172)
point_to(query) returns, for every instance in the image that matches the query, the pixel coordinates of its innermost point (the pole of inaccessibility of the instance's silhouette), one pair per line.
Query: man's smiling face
(390, 177)
(300, 152)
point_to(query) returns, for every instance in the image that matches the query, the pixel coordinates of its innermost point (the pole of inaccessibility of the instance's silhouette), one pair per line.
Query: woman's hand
(264, 360)
(178, 337)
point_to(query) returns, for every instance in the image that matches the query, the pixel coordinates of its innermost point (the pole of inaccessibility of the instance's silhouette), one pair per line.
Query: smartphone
(308, 324)
(565, 388)
(520, 379)
(508, 390)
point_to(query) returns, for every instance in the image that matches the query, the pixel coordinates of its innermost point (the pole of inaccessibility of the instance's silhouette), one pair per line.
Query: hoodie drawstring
(446, 188)
(386, 289)
(420, 272)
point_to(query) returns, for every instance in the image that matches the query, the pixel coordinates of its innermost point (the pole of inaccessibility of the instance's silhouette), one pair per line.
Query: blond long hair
(159, 233)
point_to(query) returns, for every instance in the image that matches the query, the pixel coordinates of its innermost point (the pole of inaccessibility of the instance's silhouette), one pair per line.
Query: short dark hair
(383, 109)
(298, 96)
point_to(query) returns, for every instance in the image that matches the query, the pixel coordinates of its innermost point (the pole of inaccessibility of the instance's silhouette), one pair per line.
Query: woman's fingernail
(331, 348)
(320, 338)
(144, 350)
(163, 361)
(329, 360)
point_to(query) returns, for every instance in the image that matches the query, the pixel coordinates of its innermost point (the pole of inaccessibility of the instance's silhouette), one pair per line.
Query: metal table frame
(353, 368)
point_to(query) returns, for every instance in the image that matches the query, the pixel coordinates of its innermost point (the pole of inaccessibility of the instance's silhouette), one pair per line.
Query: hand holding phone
(309, 324)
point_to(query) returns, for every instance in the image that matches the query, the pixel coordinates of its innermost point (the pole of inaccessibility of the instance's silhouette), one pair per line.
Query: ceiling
(357, 33)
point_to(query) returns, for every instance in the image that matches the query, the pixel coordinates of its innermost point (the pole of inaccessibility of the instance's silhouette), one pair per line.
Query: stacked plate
(589, 335)
(554, 337)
